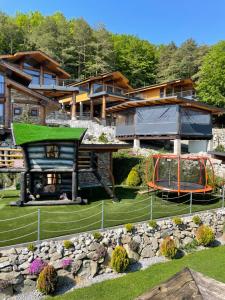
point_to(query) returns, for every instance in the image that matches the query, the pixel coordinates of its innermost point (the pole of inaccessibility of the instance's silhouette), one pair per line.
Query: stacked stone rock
(91, 257)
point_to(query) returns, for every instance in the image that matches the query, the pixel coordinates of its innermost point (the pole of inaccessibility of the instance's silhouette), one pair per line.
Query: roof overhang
(7, 66)
(40, 57)
(164, 101)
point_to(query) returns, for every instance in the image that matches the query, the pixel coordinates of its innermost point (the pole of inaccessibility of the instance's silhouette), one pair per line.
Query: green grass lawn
(63, 220)
(209, 262)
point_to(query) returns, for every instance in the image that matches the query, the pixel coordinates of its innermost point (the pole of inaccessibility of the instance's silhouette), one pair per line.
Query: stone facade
(90, 257)
(26, 103)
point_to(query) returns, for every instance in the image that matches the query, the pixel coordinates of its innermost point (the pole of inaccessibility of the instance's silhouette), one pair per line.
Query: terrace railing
(110, 89)
(189, 94)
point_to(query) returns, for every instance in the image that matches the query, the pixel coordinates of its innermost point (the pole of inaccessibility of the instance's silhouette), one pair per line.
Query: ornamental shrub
(97, 235)
(129, 227)
(168, 247)
(177, 221)
(68, 244)
(31, 247)
(152, 223)
(197, 220)
(36, 266)
(133, 178)
(47, 280)
(103, 138)
(66, 263)
(205, 235)
(119, 260)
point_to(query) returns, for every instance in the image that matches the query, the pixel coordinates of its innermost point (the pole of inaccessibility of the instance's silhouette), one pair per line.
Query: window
(2, 84)
(49, 79)
(161, 92)
(34, 112)
(35, 75)
(17, 111)
(52, 151)
(53, 179)
(1, 114)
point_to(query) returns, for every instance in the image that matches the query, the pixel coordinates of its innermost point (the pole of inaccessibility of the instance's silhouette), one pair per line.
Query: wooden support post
(42, 114)
(75, 174)
(73, 107)
(7, 106)
(41, 75)
(91, 109)
(23, 188)
(103, 107)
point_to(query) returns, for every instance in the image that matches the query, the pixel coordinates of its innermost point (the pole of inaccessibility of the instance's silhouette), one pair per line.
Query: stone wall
(218, 137)
(26, 103)
(91, 257)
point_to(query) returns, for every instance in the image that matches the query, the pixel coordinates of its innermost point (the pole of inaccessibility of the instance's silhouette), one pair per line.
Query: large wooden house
(31, 83)
(98, 93)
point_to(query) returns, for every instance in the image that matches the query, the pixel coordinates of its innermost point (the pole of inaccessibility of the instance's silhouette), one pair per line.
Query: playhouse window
(53, 179)
(52, 151)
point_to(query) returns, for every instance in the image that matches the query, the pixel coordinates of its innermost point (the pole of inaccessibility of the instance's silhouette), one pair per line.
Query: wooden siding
(38, 159)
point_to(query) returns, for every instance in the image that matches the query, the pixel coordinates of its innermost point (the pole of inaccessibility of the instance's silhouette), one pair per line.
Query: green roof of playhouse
(29, 133)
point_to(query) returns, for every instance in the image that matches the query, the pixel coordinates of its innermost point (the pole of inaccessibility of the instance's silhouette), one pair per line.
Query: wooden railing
(11, 157)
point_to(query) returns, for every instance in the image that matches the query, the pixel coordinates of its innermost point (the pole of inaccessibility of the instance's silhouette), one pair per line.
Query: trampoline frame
(203, 159)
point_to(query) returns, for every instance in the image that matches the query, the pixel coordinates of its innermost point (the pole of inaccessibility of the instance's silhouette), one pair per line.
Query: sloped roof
(164, 101)
(14, 69)
(40, 56)
(29, 133)
(187, 284)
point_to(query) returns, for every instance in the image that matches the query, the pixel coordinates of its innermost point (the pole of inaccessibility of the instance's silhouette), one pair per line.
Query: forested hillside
(85, 51)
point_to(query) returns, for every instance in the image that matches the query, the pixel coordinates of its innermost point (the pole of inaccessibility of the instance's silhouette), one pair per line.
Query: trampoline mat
(173, 185)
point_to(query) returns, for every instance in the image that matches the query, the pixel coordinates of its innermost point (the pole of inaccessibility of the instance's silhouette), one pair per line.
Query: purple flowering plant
(66, 263)
(36, 266)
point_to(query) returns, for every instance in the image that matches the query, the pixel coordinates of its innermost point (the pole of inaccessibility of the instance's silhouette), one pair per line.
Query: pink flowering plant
(66, 263)
(37, 266)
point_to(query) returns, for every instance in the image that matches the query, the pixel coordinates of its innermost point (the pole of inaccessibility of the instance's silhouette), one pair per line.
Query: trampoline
(180, 174)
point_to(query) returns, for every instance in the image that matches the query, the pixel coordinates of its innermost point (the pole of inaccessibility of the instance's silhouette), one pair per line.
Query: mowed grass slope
(209, 262)
(19, 224)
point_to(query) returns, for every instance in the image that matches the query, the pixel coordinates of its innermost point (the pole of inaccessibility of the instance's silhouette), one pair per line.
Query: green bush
(177, 221)
(220, 148)
(68, 244)
(103, 138)
(153, 224)
(197, 220)
(31, 247)
(120, 260)
(129, 227)
(205, 235)
(189, 247)
(133, 178)
(97, 235)
(47, 280)
(168, 247)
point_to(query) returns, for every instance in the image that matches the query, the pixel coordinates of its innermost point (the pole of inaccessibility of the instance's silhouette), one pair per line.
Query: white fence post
(102, 223)
(223, 191)
(38, 229)
(191, 203)
(151, 208)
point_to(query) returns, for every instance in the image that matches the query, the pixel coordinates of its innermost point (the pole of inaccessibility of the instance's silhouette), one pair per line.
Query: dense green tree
(211, 83)
(135, 58)
(11, 35)
(180, 62)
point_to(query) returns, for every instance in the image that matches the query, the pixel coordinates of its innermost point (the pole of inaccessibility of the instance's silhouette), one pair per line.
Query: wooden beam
(104, 107)
(73, 107)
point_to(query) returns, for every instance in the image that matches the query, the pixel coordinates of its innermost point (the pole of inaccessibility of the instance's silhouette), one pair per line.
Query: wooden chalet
(183, 88)
(31, 83)
(168, 118)
(97, 94)
(56, 163)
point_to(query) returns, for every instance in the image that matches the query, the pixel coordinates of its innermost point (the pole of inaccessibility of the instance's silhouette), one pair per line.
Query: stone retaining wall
(91, 257)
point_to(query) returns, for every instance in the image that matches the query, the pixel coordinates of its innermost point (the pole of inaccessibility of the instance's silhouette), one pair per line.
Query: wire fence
(46, 222)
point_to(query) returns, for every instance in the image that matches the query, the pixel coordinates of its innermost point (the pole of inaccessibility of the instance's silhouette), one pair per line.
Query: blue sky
(159, 21)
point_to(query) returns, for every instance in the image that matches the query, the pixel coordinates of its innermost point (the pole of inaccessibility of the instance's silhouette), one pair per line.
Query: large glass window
(49, 79)
(1, 114)
(2, 84)
(35, 75)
